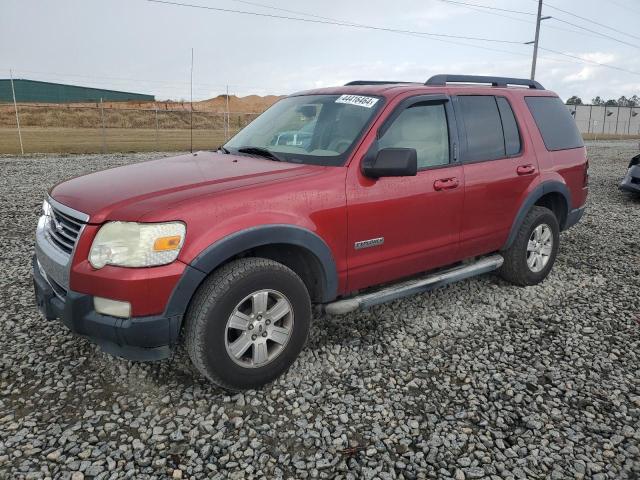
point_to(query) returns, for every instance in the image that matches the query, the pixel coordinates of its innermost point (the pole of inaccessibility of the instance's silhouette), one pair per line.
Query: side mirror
(392, 162)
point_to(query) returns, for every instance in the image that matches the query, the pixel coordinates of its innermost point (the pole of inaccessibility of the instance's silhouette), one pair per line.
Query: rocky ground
(477, 380)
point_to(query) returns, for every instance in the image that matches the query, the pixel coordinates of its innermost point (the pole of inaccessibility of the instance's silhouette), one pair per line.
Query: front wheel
(247, 323)
(531, 256)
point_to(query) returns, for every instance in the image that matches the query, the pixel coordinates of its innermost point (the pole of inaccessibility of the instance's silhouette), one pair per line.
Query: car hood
(131, 191)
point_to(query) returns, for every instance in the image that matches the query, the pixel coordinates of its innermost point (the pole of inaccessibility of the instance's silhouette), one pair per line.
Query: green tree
(597, 101)
(574, 100)
(623, 101)
(611, 103)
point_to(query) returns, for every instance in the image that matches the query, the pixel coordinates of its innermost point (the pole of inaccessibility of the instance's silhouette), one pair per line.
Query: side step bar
(412, 287)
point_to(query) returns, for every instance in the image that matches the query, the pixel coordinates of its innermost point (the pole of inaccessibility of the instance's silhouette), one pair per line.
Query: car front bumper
(631, 181)
(137, 338)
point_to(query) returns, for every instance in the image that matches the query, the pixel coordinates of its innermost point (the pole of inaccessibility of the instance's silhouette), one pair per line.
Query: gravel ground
(477, 380)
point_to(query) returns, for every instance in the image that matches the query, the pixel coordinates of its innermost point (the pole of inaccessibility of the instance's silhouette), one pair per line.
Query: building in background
(47, 92)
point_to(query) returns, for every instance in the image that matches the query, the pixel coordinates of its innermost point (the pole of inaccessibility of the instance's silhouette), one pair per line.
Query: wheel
(247, 323)
(531, 256)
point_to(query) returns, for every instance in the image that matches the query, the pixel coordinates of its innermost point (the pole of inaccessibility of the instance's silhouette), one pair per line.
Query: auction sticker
(358, 100)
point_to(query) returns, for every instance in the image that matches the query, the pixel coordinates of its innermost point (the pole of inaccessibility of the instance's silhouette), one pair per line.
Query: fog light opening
(115, 308)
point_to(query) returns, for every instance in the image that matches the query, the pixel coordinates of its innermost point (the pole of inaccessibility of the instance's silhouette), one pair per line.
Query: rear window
(509, 126)
(556, 125)
(483, 127)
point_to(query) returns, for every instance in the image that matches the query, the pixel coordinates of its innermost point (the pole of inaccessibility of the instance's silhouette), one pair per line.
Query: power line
(298, 12)
(590, 20)
(330, 21)
(337, 23)
(488, 7)
(467, 5)
(489, 11)
(592, 62)
(604, 35)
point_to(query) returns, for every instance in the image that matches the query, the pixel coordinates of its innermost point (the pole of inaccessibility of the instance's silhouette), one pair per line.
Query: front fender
(220, 251)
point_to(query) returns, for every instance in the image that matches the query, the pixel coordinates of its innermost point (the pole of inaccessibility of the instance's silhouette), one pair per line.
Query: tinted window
(556, 125)
(509, 127)
(483, 127)
(423, 127)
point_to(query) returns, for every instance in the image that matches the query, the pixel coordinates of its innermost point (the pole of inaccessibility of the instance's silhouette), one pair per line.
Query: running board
(412, 287)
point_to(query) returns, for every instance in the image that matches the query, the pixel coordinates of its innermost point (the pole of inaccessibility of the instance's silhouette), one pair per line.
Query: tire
(216, 342)
(516, 267)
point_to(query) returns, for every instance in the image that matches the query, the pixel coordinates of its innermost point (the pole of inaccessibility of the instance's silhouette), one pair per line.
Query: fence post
(15, 106)
(589, 124)
(226, 117)
(617, 118)
(104, 138)
(157, 145)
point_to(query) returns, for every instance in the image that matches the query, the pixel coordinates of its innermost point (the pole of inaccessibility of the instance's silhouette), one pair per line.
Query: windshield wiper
(262, 152)
(221, 147)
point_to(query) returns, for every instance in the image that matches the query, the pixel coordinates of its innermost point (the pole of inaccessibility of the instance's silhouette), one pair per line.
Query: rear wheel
(531, 256)
(247, 323)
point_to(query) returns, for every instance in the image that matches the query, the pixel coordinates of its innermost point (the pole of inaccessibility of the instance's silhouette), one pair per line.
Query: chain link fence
(112, 127)
(102, 128)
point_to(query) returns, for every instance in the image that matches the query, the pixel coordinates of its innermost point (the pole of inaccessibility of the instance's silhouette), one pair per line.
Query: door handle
(525, 169)
(446, 183)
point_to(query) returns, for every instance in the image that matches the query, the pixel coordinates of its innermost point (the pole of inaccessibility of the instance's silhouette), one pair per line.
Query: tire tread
(214, 286)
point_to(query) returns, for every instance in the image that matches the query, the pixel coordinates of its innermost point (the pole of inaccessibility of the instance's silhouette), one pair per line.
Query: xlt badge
(372, 242)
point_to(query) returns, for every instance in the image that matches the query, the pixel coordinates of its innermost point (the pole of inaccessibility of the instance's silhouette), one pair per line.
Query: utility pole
(535, 42)
(191, 113)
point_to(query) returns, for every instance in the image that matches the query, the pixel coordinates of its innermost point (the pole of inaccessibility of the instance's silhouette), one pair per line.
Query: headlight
(130, 244)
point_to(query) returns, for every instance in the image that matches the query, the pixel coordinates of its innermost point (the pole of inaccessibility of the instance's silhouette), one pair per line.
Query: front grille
(63, 229)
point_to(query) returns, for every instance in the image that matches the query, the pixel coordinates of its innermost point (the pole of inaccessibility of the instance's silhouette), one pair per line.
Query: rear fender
(535, 195)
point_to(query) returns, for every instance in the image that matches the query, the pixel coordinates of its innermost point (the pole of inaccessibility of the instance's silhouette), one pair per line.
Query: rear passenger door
(499, 165)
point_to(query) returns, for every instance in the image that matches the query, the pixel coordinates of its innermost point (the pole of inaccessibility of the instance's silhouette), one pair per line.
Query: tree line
(633, 101)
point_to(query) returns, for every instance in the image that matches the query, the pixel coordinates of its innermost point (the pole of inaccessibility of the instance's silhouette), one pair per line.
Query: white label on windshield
(358, 100)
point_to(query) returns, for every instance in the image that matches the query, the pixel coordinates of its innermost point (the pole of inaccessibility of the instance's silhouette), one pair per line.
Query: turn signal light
(163, 244)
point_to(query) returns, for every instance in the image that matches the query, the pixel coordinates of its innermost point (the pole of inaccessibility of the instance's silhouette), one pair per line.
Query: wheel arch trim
(552, 186)
(227, 247)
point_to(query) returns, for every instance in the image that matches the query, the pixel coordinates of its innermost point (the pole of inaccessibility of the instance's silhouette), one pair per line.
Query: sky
(141, 46)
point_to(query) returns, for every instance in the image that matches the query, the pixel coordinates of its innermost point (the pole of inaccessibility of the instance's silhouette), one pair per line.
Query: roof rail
(443, 79)
(373, 82)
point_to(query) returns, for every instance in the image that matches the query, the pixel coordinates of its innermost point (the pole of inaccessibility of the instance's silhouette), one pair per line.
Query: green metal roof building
(46, 92)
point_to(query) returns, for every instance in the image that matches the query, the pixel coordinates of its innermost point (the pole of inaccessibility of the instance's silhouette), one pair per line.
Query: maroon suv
(322, 199)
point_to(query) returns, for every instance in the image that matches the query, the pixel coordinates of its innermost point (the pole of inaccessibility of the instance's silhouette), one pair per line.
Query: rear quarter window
(556, 125)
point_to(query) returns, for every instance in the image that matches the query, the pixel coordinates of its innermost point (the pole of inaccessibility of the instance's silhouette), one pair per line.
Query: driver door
(399, 226)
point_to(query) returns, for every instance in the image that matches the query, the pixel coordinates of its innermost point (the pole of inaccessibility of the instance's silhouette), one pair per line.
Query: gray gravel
(477, 380)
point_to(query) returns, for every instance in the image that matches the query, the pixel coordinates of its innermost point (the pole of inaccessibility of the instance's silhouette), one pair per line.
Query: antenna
(191, 112)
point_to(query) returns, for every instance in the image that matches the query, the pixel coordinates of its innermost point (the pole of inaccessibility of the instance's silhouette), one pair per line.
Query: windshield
(312, 129)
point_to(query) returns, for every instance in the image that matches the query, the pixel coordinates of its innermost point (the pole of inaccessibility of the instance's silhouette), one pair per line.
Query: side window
(509, 127)
(556, 125)
(423, 127)
(485, 140)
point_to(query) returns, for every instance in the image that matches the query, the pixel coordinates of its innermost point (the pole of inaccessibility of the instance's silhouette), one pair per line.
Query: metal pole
(226, 120)
(191, 113)
(104, 137)
(15, 105)
(589, 126)
(157, 145)
(535, 42)
(617, 118)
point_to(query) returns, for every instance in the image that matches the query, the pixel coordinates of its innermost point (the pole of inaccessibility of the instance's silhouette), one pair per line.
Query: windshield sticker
(358, 100)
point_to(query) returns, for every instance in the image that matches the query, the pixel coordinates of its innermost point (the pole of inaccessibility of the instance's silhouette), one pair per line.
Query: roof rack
(443, 79)
(373, 82)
